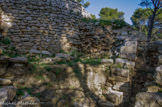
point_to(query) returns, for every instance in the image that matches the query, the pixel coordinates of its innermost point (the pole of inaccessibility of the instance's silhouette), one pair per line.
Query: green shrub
(21, 91)
(48, 68)
(6, 40)
(105, 22)
(117, 24)
(91, 61)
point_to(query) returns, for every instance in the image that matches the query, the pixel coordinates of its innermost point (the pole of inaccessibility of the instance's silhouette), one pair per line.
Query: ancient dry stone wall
(40, 24)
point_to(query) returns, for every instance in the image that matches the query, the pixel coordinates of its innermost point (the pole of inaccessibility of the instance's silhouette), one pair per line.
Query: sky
(127, 6)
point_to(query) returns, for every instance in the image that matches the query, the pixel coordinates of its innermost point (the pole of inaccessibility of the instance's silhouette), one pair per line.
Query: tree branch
(153, 2)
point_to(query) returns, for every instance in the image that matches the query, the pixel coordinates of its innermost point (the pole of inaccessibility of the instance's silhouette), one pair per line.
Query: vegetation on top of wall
(116, 24)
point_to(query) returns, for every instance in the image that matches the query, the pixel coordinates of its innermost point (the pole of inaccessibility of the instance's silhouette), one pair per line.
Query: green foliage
(155, 6)
(48, 68)
(75, 53)
(33, 58)
(6, 40)
(140, 20)
(93, 16)
(105, 22)
(117, 66)
(119, 24)
(20, 91)
(111, 14)
(160, 90)
(11, 52)
(116, 24)
(58, 71)
(91, 61)
(140, 17)
(83, 3)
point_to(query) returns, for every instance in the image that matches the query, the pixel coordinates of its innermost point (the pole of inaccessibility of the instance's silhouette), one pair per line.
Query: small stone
(65, 56)
(120, 86)
(34, 51)
(18, 66)
(5, 81)
(152, 89)
(124, 33)
(108, 84)
(120, 72)
(46, 53)
(21, 60)
(109, 61)
(18, 69)
(107, 104)
(2, 71)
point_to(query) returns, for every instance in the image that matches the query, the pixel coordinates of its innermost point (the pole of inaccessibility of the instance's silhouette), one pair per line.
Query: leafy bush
(6, 40)
(116, 24)
(119, 24)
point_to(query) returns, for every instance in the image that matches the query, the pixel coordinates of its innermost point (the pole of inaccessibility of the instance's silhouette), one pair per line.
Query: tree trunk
(151, 24)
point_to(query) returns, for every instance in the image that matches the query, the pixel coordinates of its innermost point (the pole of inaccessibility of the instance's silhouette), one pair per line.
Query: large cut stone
(115, 97)
(121, 86)
(96, 79)
(145, 99)
(120, 72)
(129, 50)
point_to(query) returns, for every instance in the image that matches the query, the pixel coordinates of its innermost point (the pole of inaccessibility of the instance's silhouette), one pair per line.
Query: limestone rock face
(145, 99)
(96, 79)
(158, 75)
(29, 102)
